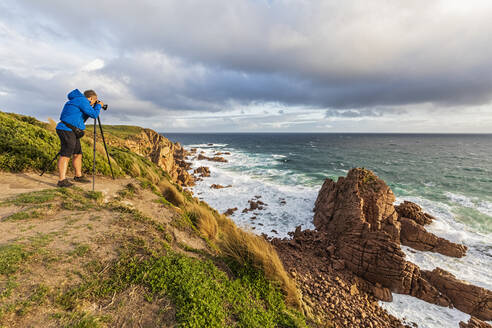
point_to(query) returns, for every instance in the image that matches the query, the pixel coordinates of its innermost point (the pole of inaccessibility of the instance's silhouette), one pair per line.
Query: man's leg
(77, 164)
(62, 167)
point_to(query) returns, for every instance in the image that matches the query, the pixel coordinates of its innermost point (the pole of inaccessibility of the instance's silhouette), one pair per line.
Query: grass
(119, 131)
(204, 295)
(171, 193)
(10, 258)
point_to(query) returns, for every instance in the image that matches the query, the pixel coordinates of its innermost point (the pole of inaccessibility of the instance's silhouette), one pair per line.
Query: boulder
(230, 211)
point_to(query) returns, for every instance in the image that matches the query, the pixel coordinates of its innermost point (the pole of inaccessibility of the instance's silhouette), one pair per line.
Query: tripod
(94, 154)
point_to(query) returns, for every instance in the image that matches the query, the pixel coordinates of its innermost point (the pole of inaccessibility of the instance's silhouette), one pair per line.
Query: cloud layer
(345, 61)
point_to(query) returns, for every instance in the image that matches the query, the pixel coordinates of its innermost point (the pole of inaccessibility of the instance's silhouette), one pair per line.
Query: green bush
(27, 144)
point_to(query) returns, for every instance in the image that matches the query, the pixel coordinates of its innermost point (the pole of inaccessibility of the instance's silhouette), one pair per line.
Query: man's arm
(87, 109)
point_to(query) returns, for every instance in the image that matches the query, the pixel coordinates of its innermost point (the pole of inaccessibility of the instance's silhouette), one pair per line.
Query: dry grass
(245, 246)
(171, 193)
(204, 220)
(51, 125)
(241, 245)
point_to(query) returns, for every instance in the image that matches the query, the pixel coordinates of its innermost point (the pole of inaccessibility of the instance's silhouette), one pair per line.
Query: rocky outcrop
(202, 171)
(470, 299)
(168, 155)
(219, 186)
(474, 323)
(329, 291)
(230, 211)
(212, 159)
(360, 230)
(414, 235)
(413, 211)
(254, 204)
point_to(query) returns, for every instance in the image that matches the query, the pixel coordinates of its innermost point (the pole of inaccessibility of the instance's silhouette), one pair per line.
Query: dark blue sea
(450, 176)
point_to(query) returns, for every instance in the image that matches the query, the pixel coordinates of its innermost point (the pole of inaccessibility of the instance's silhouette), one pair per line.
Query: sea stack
(362, 232)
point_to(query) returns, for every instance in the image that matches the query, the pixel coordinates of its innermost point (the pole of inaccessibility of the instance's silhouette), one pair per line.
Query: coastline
(328, 291)
(221, 166)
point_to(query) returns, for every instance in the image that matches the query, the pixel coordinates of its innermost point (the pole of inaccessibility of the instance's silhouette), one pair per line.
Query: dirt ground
(64, 239)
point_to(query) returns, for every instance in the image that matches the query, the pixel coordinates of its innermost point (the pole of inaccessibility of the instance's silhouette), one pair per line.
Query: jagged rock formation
(170, 156)
(358, 229)
(358, 215)
(212, 159)
(202, 171)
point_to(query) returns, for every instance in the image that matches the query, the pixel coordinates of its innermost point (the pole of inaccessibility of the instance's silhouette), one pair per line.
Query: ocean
(450, 176)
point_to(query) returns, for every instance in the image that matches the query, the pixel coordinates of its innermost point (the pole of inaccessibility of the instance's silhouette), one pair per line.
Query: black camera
(105, 107)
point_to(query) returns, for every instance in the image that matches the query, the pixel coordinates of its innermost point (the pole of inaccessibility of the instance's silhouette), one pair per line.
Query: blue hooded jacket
(77, 110)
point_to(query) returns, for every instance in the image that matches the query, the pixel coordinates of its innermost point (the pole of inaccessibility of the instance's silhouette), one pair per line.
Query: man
(76, 111)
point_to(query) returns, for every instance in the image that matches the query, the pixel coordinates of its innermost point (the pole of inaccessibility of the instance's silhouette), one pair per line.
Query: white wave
(287, 206)
(425, 315)
(206, 145)
(482, 206)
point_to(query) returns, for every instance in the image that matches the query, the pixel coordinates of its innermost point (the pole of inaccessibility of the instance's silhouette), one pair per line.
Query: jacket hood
(75, 94)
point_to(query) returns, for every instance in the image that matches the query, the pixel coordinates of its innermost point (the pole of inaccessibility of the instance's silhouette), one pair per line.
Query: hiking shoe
(64, 183)
(81, 179)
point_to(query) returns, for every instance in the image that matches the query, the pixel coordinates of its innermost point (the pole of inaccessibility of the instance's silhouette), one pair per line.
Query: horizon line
(297, 132)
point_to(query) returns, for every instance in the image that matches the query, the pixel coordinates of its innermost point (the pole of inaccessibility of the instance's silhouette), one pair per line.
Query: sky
(422, 66)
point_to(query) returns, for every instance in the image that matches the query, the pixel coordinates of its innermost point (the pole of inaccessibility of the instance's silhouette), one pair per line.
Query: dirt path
(12, 184)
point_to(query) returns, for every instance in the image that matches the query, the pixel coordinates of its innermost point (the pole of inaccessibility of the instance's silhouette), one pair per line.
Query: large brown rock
(468, 298)
(356, 215)
(414, 235)
(414, 212)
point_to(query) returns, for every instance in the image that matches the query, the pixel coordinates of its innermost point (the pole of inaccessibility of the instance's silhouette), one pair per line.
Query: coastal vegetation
(139, 255)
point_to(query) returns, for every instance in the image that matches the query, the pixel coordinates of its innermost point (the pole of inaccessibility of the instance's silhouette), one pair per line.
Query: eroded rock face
(163, 152)
(356, 215)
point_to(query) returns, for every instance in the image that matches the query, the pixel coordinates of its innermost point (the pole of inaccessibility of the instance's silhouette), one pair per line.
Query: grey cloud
(205, 56)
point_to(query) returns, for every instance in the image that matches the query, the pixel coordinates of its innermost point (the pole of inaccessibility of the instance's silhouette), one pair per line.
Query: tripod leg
(94, 159)
(105, 148)
(46, 168)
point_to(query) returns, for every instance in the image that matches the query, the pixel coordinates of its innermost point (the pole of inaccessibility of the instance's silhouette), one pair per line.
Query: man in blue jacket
(76, 111)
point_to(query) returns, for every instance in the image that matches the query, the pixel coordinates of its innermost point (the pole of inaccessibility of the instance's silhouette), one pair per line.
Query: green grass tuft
(10, 258)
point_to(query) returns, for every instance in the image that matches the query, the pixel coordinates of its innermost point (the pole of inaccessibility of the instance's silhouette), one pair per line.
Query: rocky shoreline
(353, 258)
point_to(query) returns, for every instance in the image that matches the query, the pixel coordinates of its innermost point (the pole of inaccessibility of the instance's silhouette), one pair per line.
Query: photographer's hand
(100, 103)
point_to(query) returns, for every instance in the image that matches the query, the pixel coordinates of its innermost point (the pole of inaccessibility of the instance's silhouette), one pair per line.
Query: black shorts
(69, 143)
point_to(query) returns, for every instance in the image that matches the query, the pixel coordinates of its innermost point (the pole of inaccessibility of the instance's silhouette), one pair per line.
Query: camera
(105, 107)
